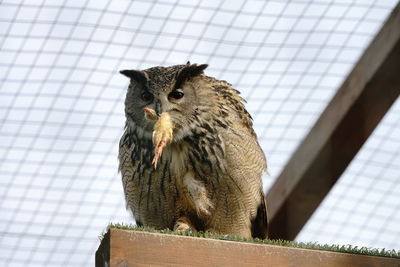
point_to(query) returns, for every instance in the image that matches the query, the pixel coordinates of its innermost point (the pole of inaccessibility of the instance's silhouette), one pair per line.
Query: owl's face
(162, 89)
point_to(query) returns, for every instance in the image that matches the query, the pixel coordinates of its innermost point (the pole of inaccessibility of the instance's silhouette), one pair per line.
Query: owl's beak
(157, 108)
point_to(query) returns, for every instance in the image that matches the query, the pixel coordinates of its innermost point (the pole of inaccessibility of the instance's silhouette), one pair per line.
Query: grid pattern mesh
(61, 109)
(364, 205)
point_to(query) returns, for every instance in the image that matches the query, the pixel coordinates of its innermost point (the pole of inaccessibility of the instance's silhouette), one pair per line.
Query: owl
(189, 157)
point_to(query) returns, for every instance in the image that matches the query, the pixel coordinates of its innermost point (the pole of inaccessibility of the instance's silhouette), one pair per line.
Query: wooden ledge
(123, 248)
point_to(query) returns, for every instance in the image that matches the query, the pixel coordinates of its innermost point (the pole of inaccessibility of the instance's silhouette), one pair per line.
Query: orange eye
(147, 97)
(175, 95)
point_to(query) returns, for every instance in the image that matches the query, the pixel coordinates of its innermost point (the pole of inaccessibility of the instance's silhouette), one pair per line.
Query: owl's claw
(183, 224)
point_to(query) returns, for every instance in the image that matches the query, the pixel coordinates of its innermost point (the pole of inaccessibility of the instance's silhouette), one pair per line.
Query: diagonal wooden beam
(344, 126)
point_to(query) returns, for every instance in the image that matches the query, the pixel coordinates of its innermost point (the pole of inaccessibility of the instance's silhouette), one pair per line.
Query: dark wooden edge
(123, 248)
(103, 252)
(349, 119)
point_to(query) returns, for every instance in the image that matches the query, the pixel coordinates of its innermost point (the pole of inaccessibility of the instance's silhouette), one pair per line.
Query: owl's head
(163, 89)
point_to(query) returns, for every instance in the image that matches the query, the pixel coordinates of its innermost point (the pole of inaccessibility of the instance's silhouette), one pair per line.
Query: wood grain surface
(123, 248)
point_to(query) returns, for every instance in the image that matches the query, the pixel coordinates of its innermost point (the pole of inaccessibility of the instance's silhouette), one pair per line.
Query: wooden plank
(349, 119)
(103, 252)
(130, 248)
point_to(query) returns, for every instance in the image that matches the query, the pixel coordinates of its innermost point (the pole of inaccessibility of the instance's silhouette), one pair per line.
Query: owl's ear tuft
(136, 75)
(187, 72)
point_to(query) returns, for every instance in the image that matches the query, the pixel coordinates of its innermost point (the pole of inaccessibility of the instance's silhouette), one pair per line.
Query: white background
(61, 109)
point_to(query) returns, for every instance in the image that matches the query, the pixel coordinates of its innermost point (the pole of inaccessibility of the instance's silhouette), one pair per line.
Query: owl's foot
(162, 135)
(183, 224)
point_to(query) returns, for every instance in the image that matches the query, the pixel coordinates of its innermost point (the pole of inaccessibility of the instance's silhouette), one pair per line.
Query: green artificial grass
(277, 242)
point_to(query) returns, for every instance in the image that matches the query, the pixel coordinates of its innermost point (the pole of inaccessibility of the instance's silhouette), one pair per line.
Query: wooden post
(349, 119)
(123, 248)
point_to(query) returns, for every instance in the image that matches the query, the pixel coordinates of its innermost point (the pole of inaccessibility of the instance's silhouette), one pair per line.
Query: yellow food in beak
(162, 135)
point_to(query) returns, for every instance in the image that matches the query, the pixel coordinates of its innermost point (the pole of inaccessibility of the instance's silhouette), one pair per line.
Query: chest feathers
(192, 184)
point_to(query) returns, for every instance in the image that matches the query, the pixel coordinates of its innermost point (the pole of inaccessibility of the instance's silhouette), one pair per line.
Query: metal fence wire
(61, 109)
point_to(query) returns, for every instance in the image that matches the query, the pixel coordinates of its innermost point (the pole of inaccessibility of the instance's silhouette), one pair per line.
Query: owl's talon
(183, 224)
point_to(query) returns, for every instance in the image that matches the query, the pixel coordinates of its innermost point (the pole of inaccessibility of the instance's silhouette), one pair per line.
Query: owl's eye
(146, 96)
(175, 95)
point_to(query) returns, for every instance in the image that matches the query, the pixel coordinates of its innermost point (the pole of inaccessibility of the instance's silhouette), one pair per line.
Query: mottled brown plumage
(203, 171)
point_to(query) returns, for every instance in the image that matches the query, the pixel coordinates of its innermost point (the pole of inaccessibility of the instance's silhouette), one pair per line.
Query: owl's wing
(126, 168)
(247, 163)
(259, 225)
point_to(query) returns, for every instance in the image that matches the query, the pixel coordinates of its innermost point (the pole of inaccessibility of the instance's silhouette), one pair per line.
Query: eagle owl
(189, 157)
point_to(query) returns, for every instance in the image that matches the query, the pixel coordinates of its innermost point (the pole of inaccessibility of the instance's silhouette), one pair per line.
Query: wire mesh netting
(363, 207)
(61, 109)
